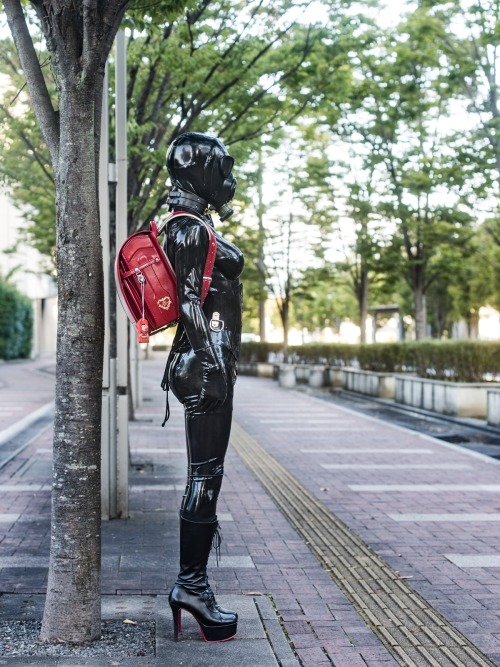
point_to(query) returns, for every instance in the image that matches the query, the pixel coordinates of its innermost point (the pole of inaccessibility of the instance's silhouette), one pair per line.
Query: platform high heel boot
(192, 591)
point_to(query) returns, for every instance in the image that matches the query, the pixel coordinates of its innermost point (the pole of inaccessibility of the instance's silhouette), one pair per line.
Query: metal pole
(104, 218)
(121, 319)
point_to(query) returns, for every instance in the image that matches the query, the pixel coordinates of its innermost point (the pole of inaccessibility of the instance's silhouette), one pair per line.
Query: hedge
(16, 323)
(457, 361)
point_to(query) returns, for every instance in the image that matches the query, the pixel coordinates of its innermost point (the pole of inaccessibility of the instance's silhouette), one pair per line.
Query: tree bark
(420, 307)
(363, 305)
(72, 609)
(285, 321)
(261, 266)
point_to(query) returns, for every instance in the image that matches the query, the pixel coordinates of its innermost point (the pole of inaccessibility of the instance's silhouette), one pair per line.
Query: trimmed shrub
(16, 323)
(333, 354)
(252, 351)
(456, 361)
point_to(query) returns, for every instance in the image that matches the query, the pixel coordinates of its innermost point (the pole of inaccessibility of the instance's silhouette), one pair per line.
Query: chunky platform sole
(210, 633)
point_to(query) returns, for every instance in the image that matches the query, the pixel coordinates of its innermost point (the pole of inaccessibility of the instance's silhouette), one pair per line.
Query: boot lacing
(216, 543)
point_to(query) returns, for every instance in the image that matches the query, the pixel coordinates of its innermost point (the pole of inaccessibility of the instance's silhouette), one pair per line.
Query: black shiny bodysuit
(203, 358)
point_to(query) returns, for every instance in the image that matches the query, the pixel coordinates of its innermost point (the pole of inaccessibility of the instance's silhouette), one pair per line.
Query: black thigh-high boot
(192, 591)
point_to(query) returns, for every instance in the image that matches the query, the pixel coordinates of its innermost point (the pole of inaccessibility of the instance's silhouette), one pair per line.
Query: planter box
(265, 370)
(460, 399)
(287, 376)
(302, 372)
(256, 369)
(317, 376)
(335, 376)
(369, 383)
(493, 411)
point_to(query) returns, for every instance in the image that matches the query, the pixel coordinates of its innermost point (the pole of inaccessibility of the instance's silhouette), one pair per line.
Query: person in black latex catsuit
(201, 369)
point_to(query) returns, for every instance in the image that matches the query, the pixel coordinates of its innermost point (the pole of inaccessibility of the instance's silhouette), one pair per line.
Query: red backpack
(146, 282)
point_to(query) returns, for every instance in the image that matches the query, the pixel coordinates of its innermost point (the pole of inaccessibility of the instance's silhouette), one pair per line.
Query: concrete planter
(317, 376)
(286, 376)
(302, 372)
(460, 399)
(265, 370)
(335, 377)
(493, 410)
(256, 369)
(369, 382)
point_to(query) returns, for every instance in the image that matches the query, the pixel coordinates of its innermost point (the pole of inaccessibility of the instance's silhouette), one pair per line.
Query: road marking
(448, 517)
(474, 560)
(490, 488)
(367, 450)
(326, 420)
(318, 428)
(395, 466)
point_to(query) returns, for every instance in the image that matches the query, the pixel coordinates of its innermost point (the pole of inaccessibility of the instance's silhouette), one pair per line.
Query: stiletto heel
(176, 613)
(216, 624)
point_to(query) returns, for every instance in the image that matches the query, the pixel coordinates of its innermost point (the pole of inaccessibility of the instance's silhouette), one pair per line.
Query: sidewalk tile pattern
(140, 553)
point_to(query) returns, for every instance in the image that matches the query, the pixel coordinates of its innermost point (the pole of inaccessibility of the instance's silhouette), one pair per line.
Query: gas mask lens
(226, 164)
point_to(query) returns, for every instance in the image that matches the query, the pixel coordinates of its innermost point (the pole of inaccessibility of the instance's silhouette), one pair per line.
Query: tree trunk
(261, 266)
(72, 608)
(262, 319)
(284, 320)
(363, 305)
(420, 307)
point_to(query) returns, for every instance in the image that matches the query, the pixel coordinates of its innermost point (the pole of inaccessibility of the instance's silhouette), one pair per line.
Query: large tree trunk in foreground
(73, 592)
(79, 37)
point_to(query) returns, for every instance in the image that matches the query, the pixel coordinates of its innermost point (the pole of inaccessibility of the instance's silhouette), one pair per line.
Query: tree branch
(37, 87)
(38, 158)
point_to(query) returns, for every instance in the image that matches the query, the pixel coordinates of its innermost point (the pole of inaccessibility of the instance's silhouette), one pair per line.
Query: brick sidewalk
(430, 509)
(331, 452)
(25, 386)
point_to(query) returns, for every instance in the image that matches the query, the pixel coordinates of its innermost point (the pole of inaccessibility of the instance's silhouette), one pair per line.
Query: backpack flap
(146, 282)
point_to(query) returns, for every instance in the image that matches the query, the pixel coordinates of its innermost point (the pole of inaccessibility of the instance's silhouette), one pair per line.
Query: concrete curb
(11, 432)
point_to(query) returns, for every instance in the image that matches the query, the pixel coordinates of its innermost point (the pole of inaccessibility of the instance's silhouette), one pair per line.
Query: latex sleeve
(190, 251)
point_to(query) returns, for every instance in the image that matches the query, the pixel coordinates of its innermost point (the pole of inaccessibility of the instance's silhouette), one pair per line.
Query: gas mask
(200, 172)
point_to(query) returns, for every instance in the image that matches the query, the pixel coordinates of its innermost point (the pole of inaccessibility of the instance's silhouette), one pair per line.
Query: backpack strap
(212, 248)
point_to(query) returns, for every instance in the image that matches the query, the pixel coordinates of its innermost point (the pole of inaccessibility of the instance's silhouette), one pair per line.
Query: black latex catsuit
(201, 369)
(207, 340)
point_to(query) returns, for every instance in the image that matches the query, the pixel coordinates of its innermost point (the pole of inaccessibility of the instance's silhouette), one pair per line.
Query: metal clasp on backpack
(216, 324)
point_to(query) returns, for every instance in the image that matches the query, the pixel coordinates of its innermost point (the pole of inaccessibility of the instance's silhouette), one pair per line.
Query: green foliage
(252, 351)
(16, 323)
(334, 354)
(232, 69)
(25, 168)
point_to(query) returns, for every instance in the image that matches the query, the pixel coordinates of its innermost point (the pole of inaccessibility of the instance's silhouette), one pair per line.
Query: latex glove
(213, 389)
